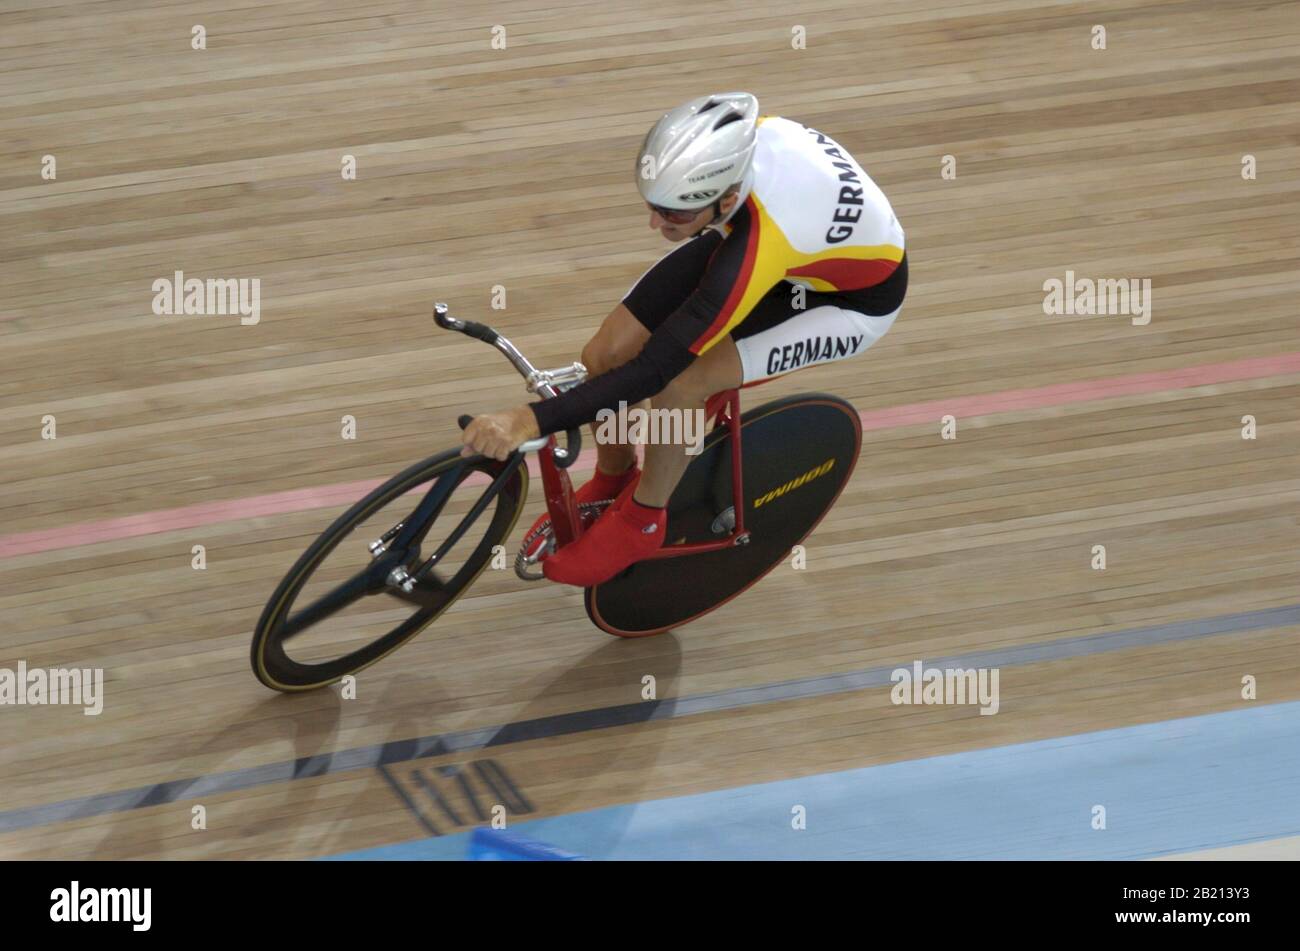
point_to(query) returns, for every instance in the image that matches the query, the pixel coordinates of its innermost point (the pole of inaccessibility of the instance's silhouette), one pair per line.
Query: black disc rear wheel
(342, 606)
(797, 455)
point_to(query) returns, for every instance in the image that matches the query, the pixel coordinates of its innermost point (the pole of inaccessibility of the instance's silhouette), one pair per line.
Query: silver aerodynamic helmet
(698, 150)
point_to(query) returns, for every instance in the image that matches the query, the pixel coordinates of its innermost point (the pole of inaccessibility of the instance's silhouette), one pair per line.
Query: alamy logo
(103, 904)
(654, 427)
(947, 685)
(181, 295)
(1111, 296)
(55, 685)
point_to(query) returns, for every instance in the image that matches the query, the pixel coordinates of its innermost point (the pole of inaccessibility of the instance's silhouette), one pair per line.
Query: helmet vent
(709, 105)
(727, 120)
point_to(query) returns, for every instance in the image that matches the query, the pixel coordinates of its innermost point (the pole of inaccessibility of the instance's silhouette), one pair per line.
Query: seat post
(725, 405)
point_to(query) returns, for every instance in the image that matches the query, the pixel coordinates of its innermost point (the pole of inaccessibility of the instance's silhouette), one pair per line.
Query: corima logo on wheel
(795, 483)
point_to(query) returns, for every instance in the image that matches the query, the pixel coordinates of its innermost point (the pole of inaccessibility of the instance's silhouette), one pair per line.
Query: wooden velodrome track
(479, 167)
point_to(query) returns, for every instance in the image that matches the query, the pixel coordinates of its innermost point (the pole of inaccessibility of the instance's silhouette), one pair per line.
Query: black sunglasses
(675, 215)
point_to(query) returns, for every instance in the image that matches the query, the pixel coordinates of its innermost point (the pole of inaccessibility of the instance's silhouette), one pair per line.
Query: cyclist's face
(680, 230)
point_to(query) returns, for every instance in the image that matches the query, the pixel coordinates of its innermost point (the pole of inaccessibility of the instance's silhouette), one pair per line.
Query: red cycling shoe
(625, 534)
(600, 488)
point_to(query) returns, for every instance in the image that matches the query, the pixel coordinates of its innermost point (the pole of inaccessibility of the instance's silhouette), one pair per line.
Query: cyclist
(788, 256)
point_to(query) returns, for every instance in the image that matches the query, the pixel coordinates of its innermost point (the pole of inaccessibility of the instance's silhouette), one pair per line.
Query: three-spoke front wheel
(358, 593)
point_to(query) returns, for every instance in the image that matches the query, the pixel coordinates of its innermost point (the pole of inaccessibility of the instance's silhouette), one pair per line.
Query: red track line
(297, 500)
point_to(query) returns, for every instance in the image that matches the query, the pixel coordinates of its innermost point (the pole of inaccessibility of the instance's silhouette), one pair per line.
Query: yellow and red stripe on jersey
(769, 257)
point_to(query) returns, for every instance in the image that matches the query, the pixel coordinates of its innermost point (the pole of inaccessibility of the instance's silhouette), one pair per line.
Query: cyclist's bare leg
(620, 338)
(718, 369)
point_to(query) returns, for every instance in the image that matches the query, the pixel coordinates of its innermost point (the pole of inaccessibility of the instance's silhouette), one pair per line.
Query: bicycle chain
(545, 527)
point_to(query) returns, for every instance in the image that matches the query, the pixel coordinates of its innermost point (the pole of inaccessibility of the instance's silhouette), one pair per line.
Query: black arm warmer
(660, 360)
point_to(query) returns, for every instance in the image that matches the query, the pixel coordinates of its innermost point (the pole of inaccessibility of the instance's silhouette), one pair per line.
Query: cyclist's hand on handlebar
(496, 435)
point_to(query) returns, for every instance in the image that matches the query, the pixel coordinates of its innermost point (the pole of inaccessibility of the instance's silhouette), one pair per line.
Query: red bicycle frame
(565, 520)
(564, 510)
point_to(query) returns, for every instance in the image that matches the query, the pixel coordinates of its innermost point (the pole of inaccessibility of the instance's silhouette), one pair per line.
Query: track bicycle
(393, 563)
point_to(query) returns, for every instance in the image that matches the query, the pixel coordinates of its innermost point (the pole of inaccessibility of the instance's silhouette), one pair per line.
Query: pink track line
(298, 500)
